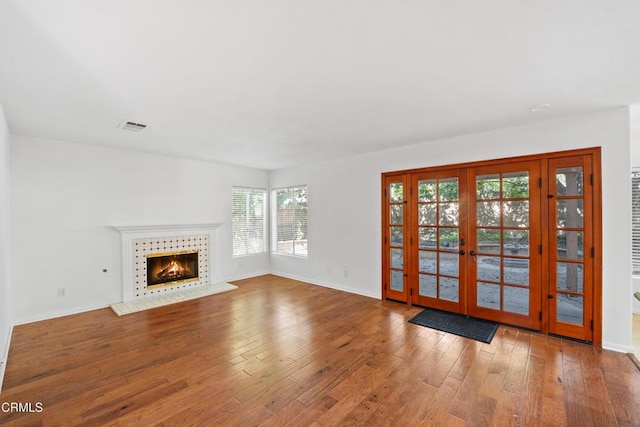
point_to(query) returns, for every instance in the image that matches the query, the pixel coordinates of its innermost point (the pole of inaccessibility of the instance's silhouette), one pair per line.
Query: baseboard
(245, 276)
(60, 313)
(617, 347)
(328, 285)
(5, 356)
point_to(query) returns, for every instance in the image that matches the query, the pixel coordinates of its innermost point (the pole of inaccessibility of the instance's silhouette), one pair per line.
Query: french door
(510, 241)
(572, 248)
(438, 276)
(504, 239)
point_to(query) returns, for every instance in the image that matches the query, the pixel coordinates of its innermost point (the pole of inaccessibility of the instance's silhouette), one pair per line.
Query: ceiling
(271, 84)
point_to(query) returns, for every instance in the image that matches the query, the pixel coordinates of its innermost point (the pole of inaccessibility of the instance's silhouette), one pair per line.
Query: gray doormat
(458, 324)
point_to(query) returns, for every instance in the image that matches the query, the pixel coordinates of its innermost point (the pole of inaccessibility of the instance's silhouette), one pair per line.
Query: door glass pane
(427, 214)
(448, 213)
(427, 237)
(427, 190)
(428, 261)
(449, 263)
(396, 258)
(570, 277)
(515, 185)
(569, 181)
(488, 214)
(449, 289)
(488, 240)
(428, 285)
(570, 245)
(516, 214)
(570, 309)
(396, 214)
(396, 236)
(449, 239)
(570, 213)
(488, 186)
(516, 300)
(516, 242)
(488, 295)
(396, 193)
(516, 271)
(397, 280)
(448, 189)
(489, 268)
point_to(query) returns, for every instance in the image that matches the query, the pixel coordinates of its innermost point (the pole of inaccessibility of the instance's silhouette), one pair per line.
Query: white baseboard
(617, 347)
(60, 313)
(329, 285)
(245, 276)
(5, 357)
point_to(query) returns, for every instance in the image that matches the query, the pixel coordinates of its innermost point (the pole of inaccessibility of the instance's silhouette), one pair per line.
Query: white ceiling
(270, 84)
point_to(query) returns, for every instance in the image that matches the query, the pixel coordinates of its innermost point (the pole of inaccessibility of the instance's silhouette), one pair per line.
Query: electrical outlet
(62, 292)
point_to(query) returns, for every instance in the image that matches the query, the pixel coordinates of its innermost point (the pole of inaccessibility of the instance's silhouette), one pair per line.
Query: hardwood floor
(281, 352)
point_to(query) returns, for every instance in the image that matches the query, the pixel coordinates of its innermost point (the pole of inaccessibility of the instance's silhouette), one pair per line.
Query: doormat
(458, 324)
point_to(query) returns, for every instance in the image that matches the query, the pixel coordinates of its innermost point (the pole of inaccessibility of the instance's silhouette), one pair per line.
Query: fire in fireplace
(169, 268)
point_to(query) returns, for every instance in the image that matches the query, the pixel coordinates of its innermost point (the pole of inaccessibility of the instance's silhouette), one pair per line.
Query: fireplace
(170, 268)
(191, 244)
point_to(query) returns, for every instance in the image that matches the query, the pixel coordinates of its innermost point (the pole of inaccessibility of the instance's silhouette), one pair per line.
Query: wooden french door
(504, 243)
(438, 260)
(395, 223)
(571, 247)
(511, 241)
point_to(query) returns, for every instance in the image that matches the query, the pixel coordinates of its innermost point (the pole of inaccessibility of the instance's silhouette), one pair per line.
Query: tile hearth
(160, 300)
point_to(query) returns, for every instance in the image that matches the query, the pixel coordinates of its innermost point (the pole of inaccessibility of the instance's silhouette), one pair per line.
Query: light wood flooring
(280, 352)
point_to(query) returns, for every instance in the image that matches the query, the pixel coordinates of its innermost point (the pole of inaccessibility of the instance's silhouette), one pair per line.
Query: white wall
(66, 197)
(345, 205)
(5, 308)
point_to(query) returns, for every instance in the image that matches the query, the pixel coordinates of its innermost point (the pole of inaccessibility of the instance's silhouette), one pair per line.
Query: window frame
(251, 225)
(635, 222)
(276, 222)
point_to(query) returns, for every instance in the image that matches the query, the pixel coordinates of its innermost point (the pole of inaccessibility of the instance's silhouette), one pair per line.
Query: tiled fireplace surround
(140, 241)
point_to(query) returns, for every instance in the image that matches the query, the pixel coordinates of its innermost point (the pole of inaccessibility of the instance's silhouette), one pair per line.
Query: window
(248, 219)
(290, 221)
(635, 220)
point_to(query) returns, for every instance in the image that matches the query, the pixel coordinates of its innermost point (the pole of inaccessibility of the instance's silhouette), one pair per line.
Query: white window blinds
(635, 220)
(248, 219)
(290, 224)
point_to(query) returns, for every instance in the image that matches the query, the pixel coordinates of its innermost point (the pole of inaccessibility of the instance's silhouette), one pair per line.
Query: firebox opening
(166, 269)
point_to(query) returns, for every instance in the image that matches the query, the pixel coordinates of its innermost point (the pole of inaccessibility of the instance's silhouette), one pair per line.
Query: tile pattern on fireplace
(147, 246)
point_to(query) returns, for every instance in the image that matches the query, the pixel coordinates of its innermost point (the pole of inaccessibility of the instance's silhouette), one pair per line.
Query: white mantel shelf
(157, 230)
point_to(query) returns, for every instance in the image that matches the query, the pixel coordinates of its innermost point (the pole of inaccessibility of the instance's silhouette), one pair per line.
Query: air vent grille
(132, 126)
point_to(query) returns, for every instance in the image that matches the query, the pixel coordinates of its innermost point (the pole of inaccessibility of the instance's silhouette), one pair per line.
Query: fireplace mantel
(162, 230)
(131, 236)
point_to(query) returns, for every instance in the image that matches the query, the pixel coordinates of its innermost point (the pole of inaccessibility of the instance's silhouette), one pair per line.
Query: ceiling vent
(132, 126)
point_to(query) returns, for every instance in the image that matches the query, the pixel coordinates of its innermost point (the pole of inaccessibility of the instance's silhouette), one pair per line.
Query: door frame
(596, 155)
